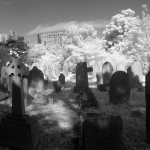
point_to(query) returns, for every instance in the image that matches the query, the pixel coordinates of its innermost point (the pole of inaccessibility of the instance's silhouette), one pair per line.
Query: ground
(57, 115)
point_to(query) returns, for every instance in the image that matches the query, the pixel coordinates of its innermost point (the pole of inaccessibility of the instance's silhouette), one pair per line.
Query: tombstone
(57, 86)
(135, 75)
(65, 70)
(36, 80)
(101, 132)
(3, 80)
(87, 99)
(147, 97)
(82, 77)
(18, 130)
(62, 79)
(119, 88)
(107, 70)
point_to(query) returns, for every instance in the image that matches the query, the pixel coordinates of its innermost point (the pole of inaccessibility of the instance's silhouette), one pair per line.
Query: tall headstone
(119, 88)
(135, 75)
(36, 79)
(107, 70)
(17, 130)
(62, 79)
(82, 76)
(147, 97)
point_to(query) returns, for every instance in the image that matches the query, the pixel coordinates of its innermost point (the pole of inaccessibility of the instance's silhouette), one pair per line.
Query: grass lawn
(56, 116)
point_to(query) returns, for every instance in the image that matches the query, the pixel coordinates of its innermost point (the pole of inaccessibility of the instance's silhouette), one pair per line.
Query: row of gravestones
(35, 81)
(18, 130)
(96, 131)
(136, 77)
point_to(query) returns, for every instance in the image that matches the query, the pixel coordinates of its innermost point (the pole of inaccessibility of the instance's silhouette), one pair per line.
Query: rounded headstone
(107, 70)
(119, 88)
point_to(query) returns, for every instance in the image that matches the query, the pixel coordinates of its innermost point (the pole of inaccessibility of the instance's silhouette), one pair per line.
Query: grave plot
(18, 130)
(62, 80)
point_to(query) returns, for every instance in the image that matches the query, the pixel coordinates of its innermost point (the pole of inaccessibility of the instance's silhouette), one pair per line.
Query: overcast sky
(30, 17)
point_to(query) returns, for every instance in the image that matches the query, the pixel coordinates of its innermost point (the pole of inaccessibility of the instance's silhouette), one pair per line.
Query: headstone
(36, 80)
(147, 97)
(135, 75)
(82, 77)
(119, 88)
(107, 70)
(101, 132)
(57, 86)
(3, 80)
(62, 79)
(17, 130)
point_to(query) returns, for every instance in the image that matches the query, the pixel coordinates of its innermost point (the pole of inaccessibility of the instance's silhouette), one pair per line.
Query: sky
(30, 17)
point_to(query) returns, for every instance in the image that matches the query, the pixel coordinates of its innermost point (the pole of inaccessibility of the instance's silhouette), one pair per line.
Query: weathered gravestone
(17, 130)
(119, 88)
(147, 97)
(36, 80)
(82, 77)
(87, 99)
(62, 79)
(135, 75)
(107, 70)
(57, 86)
(101, 132)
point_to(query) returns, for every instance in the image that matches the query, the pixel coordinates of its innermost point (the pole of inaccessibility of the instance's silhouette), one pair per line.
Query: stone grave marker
(57, 86)
(147, 97)
(82, 76)
(36, 80)
(107, 70)
(135, 75)
(101, 132)
(62, 79)
(17, 130)
(119, 88)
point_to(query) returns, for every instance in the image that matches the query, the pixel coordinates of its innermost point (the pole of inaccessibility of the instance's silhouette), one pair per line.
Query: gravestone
(82, 77)
(62, 79)
(101, 132)
(36, 80)
(119, 88)
(3, 80)
(147, 97)
(57, 86)
(107, 70)
(135, 75)
(87, 99)
(18, 130)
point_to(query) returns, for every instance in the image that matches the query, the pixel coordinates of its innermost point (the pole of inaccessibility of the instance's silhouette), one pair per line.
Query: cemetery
(61, 99)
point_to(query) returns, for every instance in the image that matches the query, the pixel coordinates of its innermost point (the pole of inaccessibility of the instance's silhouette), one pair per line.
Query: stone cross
(18, 71)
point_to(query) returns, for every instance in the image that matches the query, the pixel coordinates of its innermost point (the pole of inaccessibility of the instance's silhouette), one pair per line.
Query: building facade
(4, 37)
(12, 35)
(51, 38)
